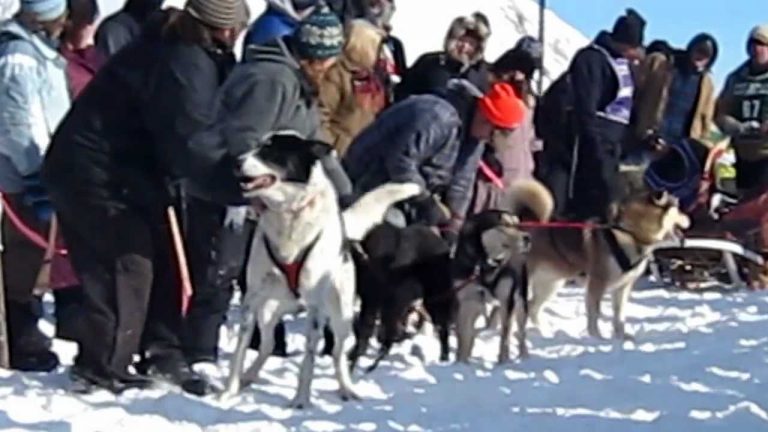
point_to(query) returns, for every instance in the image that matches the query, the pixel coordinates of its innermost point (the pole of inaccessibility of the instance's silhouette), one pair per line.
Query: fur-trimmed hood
(363, 41)
(477, 25)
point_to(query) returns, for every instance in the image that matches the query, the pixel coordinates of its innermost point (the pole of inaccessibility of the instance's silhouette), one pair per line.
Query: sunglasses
(758, 42)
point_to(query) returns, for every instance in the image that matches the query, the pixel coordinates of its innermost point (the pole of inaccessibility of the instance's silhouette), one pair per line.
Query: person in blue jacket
(281, 18)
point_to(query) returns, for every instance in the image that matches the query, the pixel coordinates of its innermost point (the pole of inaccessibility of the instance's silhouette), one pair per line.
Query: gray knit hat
(222, 14)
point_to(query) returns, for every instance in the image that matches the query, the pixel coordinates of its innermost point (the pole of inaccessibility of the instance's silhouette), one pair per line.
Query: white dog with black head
(299, 258)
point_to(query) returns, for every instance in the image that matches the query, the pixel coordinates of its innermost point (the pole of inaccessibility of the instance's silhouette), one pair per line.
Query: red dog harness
(291, 271)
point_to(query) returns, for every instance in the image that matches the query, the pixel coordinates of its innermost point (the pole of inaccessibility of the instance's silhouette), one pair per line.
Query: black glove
(450, 236)
(430, 211)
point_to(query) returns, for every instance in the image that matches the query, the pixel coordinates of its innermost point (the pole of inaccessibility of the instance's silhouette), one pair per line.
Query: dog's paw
(227, 395)
(248, 380)
(347, 395)
(461, 359)
(595, 334)
(300, 402)
(524, 354)
(625, 337)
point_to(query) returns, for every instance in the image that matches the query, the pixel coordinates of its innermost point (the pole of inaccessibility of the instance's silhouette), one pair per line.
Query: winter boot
(85, 380)
(28, 347)
(175, 370)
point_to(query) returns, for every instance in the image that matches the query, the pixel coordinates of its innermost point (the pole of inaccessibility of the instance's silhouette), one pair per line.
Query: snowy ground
(700, 363)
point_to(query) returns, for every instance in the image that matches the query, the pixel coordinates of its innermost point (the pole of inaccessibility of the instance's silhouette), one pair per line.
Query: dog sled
(723, 247)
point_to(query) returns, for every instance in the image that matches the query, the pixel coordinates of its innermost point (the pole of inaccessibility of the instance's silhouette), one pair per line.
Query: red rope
(496, 180)
(25, 230)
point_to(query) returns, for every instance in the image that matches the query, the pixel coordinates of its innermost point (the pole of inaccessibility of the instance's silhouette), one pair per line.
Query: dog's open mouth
(258, 182)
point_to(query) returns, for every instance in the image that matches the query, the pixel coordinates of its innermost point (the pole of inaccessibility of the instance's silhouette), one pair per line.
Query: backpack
(553, 110)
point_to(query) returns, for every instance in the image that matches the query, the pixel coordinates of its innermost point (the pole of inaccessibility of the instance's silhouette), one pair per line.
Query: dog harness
(291, 271)
(626, 263)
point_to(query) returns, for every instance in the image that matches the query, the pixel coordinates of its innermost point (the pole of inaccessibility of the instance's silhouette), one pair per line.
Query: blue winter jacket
(417, 140)
(34, 99)
(274, 23)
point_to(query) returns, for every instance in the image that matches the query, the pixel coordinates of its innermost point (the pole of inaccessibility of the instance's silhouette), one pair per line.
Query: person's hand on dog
(430, 210)
(654, 141)
(450, 233)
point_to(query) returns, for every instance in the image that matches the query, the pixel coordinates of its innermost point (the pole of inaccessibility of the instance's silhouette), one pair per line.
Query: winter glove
(450, 236)
(235, 217)
(751, 127)
(719, 204)
(429, 210)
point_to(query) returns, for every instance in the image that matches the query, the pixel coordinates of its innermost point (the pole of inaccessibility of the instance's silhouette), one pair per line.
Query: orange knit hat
(502, 106)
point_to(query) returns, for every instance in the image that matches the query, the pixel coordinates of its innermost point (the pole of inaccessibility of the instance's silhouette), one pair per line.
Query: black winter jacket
(594, 85)
(120, 29)
(128, 133)
(432, 71)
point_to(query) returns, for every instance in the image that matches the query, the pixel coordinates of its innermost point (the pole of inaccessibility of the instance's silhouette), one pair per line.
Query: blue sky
(677, 21)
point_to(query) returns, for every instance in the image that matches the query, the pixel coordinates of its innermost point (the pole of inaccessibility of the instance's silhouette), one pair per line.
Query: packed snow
(699, 363)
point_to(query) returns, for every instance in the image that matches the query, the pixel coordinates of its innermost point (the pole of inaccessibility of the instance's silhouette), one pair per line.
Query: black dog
(395, 268)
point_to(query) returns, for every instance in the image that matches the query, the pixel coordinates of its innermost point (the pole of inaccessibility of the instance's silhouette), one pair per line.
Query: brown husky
(612, 258)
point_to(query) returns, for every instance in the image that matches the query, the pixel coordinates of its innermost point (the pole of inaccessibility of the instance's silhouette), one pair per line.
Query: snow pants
(131, 297)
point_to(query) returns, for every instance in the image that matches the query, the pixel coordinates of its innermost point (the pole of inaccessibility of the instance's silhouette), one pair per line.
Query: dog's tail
(530, 198)
(369, 210)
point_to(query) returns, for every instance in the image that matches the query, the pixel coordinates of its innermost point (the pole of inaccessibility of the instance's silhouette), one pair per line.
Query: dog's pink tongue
(257, 183)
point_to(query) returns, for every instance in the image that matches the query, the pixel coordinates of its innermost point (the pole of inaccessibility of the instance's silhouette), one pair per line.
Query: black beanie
(629, 29)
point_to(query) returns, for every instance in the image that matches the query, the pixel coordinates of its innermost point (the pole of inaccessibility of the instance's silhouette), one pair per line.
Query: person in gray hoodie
(275, 88)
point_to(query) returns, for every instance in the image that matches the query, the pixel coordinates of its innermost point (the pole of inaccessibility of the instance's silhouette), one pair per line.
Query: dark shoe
(177, 372)
(39, 361)
(85, 380)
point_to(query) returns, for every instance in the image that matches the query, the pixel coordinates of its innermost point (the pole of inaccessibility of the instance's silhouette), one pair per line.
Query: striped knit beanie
(221, 14)
(320, 35)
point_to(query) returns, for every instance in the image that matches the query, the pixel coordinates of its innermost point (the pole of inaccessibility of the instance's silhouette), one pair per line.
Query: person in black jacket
(119, 29)
(600, 87)
(462, 57)
(108, 170)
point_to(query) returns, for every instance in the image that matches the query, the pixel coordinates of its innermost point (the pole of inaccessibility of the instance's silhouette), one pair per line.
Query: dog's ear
(660, 198)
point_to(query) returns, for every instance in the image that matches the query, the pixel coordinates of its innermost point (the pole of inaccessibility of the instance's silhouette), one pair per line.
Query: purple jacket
(82, 65)
(517, 163)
